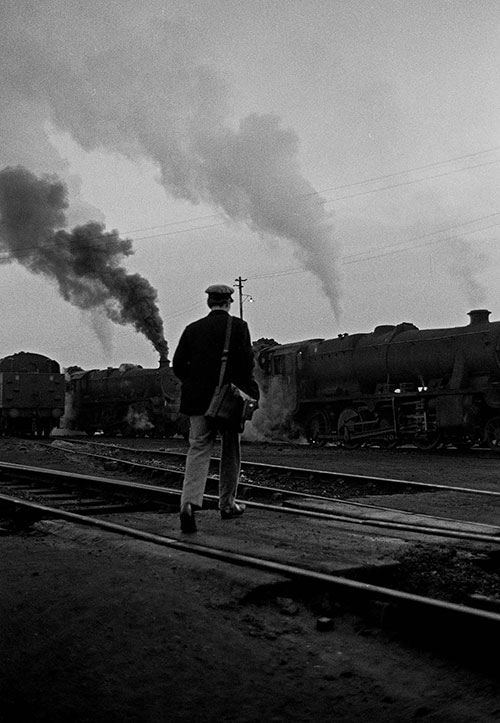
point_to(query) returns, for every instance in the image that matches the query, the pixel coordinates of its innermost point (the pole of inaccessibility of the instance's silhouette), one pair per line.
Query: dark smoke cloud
(137, 79)
(84, 262)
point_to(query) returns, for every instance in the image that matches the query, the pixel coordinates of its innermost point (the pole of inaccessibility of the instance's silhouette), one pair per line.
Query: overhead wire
(349, 259)
(360, 256)
(447, 229)
(338, 188)
(6, 256)
(427, 243)
(410, 182)
(410, 170)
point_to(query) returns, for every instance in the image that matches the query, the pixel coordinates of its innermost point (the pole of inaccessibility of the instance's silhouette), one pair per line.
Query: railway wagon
(31, 394)
(128, 400)
(395, 385)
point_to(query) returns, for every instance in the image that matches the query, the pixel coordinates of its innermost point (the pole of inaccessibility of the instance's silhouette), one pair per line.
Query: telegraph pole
(239, 286)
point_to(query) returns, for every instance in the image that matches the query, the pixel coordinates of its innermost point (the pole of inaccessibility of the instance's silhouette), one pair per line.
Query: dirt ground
(97, 628)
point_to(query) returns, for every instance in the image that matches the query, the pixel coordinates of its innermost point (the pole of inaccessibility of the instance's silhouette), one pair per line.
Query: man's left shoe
(230, 512)
(188, 523)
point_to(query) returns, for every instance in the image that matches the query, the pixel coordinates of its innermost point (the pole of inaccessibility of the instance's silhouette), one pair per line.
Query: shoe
(188, 523)
(230, 512)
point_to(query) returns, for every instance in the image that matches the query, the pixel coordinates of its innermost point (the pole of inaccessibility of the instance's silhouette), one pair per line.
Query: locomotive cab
(279, 373)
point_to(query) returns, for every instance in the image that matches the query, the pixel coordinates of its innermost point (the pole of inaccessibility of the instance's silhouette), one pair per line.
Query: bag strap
(225, 352)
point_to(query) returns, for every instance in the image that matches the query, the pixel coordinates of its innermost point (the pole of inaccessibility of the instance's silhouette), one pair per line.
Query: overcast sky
(341, 156)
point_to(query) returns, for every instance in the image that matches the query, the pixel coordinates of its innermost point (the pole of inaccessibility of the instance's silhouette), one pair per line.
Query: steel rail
(460, 613)
(161, 494)
(303, 471)
(287, 505)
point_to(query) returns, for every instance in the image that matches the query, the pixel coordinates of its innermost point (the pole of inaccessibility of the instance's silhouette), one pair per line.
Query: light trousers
(202, 435)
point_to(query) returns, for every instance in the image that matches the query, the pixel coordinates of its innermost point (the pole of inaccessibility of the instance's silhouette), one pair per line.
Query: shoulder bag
(230, 406)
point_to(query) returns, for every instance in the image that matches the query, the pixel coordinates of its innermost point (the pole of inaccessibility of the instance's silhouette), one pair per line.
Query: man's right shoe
(188, 523)
(234, 511)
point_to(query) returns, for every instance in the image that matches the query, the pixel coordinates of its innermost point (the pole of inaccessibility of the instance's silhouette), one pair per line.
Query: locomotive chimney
(478, 316)
(164, 361)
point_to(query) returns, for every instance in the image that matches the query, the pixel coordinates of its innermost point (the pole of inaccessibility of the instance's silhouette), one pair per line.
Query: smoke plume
(85, 263)
(466, 264)
(138, 79)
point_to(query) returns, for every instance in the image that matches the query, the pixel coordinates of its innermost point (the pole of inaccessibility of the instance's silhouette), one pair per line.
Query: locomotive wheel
(316, 428)
(429, 441)
(492, 433)
(348, 417)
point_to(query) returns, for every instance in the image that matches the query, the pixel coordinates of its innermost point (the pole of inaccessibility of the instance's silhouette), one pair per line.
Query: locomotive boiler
(31, 394)
(395, 385)
(128, 400)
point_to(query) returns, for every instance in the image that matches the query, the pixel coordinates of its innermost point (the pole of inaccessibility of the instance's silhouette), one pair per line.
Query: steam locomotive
(32, 390)
(128, 400)
(393, 386)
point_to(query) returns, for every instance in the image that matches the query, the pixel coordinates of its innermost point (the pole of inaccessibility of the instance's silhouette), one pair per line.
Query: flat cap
(220, 291)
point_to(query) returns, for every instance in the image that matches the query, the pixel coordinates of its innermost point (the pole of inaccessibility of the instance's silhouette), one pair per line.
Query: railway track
(296, 489)
(377, 518)
(86, 500)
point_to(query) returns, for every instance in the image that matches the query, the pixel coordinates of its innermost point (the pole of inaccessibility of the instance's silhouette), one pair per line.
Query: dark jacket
(197, 360)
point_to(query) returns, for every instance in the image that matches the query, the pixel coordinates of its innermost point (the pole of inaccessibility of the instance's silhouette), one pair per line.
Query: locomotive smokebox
(478, 316)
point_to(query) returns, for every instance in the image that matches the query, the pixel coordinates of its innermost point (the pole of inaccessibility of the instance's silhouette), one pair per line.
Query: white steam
(132, 78)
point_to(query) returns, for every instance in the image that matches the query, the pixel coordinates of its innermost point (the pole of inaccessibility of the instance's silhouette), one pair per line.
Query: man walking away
(197, 363)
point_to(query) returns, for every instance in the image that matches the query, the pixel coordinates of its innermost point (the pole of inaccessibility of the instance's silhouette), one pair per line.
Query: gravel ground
(95, 628)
